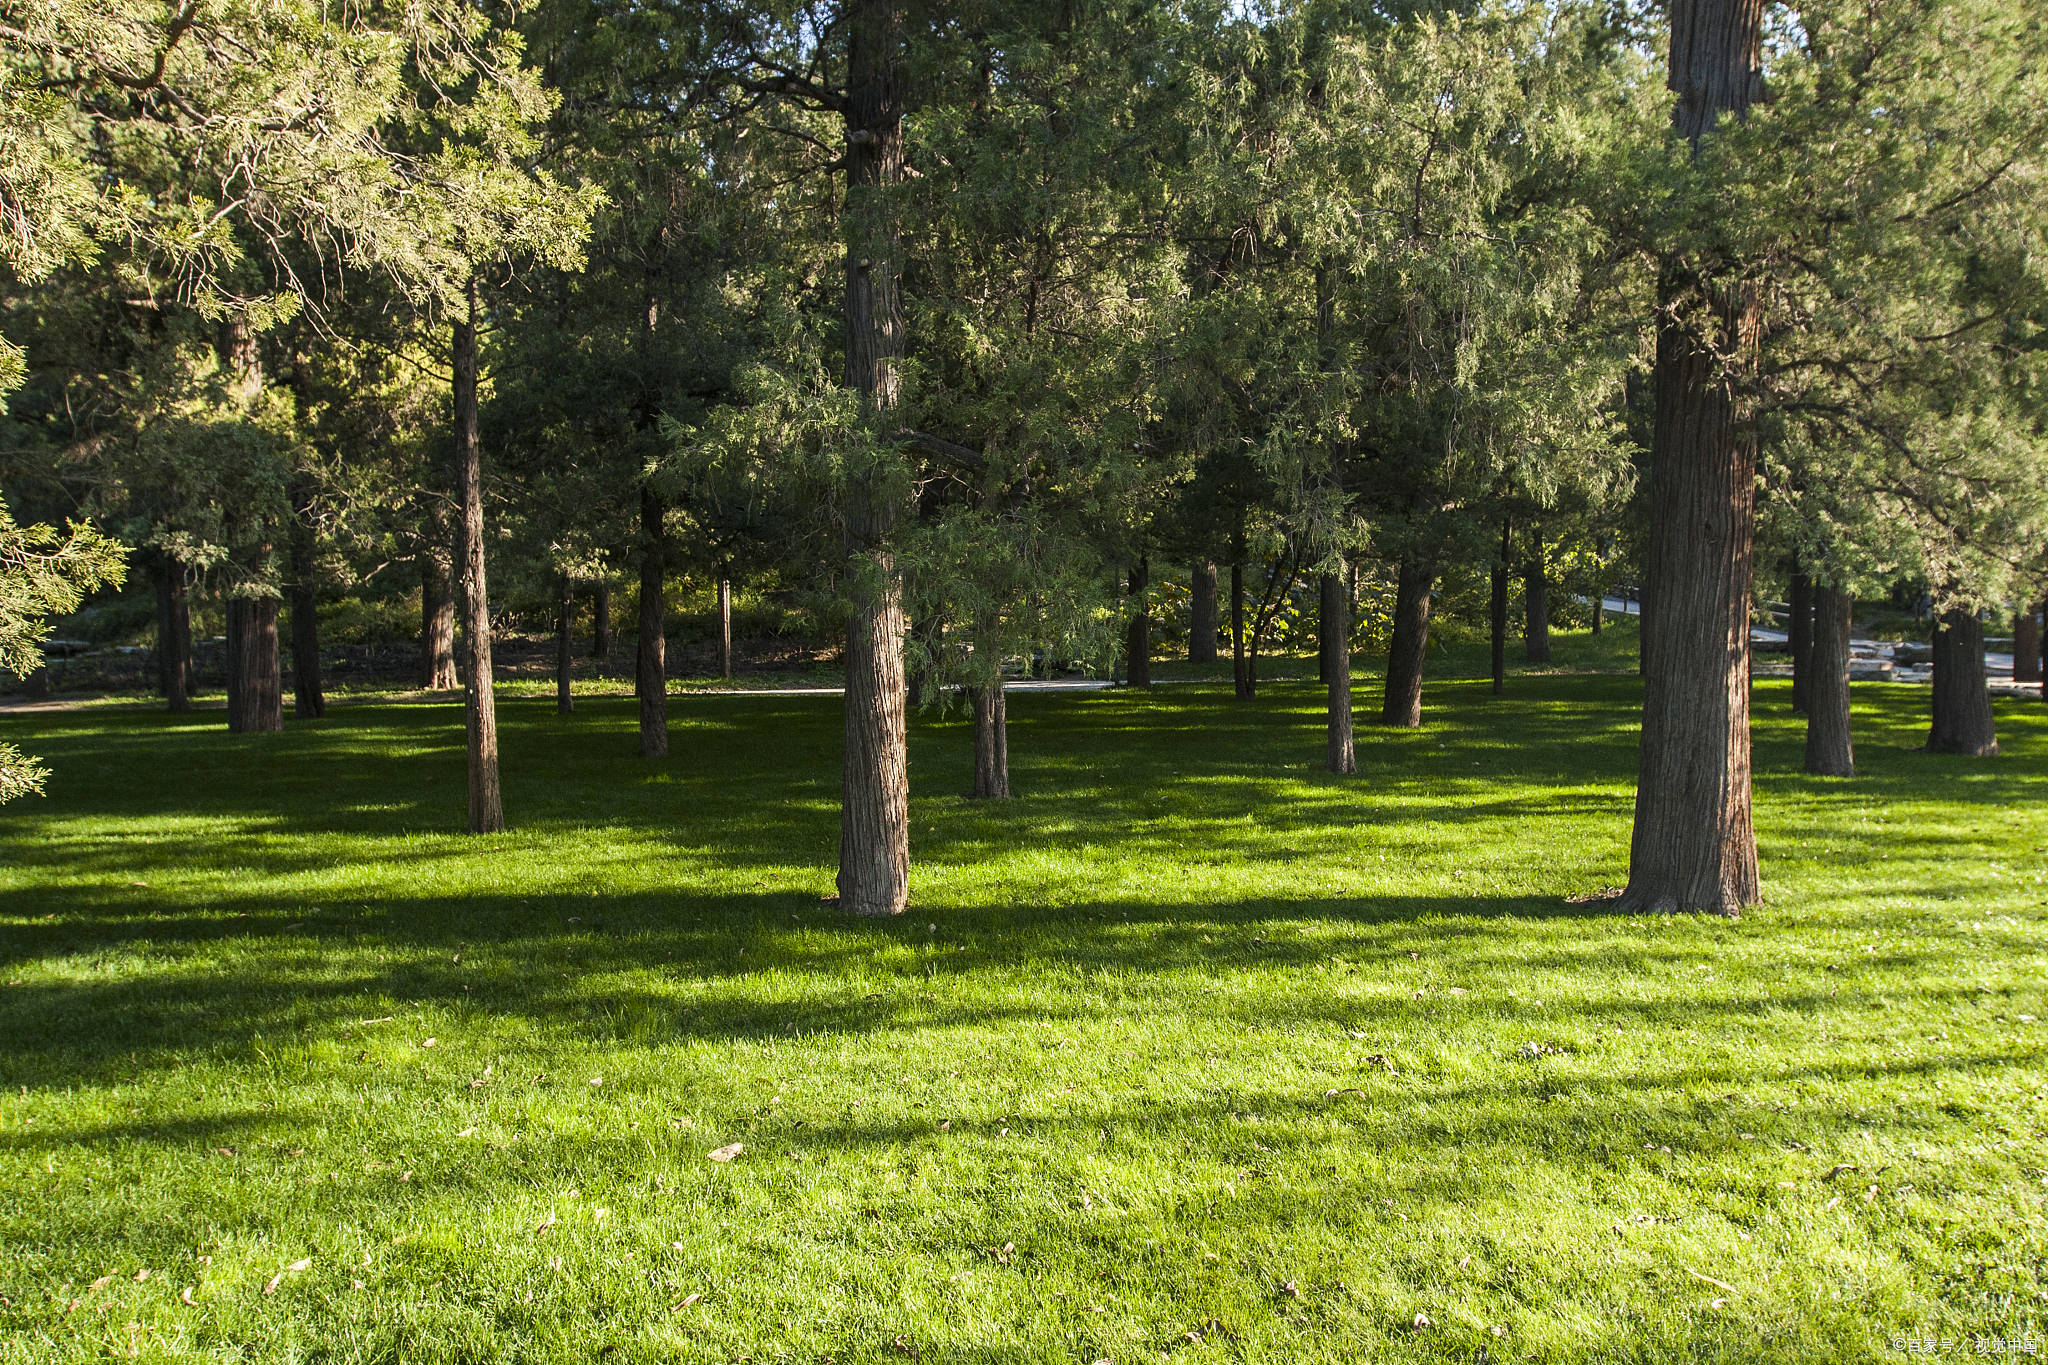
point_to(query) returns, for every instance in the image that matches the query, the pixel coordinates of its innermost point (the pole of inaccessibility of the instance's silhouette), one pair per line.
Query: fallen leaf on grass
(185, 1297)
(688, 1299)
(544, 1224)
(727, 1152)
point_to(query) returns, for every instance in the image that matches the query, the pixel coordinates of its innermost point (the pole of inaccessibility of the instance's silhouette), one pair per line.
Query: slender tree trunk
(1202, 614)
(1335, 619)
(437, 620)
(480, 703)
(1535, 604)
(565, 647)
(1828, 750)
(601, 621)
(874, 817)
(255, 677)
(650, 660)
(2026, 644)
(173, 634)
(725, 627)
(1138, 640)
(1799, 629)
(1694, 844)
(1962, 701)
(309, 698)
(1410, 646)
(991, 743)
(1497, 613)
(1240, 673)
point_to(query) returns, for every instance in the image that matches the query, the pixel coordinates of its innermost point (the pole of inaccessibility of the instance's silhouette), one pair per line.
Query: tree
(42, 574)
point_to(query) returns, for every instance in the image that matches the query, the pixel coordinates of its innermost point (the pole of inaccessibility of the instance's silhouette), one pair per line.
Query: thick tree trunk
(1138, 638)
(650, 659)
(991, 743)
(309, 698)
(480, 703)
(1535, 605)
(1497, 614)
(1828, 750)
(437, 621)
(565, 646)
(1410, 646)
(601, 621)
(1335, 621)
(1799, 629)
(1694, 843)
(255, 676)
(173, 634)
(725, 627)
(2026, 644)
(874, 816)
(1202, 613)
(1240, 672)
(1962, 701)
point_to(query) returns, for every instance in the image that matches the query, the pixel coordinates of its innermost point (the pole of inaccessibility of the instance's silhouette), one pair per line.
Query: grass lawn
(1191, 1053)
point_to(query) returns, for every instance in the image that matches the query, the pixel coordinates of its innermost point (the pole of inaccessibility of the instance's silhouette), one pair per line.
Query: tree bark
(1962, 700)
(565, 648)
(255, 677)
(991, 743)
(725, 627)
(309, 698)
(1410, 645)
(480, 703)
(1138, 638)
(1799, 628)
(1694, 842)
(874, 815)
(1829, 752)
(437, 620)
(1535, 604)
(173, 634)
(650, 658)
(1335, 621)
(1240, 675)
(2026, 644)
(1202, 614)
(1497, 613)
(601, 621)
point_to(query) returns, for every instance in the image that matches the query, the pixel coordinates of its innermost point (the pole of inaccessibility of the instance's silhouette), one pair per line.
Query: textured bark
(1829, 752)
(173, 634)
(1202, 613)
(1410, 646)
(1335, 621)
(2026, 644)
(1535, 605)
(1799, 628)
(1962, 701)
(601, 621)
(991, 743)
(1497, 613)
(1138, 635)
(255, 676)
(565, 648)
(480, 703)
(437, 620)
(650, 657)
(725, 627)
(1694, 842)
(309, 699)
(874, 814)
(1240, 674)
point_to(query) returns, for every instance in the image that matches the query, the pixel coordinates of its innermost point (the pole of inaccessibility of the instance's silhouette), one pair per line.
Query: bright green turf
(1192, 1053)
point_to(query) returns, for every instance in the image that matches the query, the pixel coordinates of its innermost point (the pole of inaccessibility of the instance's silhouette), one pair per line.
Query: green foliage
(43, 573)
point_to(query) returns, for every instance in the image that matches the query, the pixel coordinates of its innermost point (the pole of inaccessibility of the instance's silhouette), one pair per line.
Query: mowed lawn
(1192, 1053)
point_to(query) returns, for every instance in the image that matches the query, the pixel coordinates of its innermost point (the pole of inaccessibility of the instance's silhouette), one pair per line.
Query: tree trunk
(874, 814)
(1241, 678)
(1535, 604)
(2026, 645)
(1828, 750)
(991, 743)
(725, 627)
(1962, 700)
(480, 703)
(1799, 627)
(255, 677)
(1138, 640)
(1410, 646)
(1694, 843)
(1335, 620)
(650, 659)
(1202, 614)
(601, 621)
(173, 634)
(309, 698)
(1599, 607)
(1497, 613)
(565, 649)
(437, 621)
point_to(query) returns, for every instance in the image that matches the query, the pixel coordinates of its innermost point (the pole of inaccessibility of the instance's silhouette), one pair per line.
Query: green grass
(1190, 1054)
